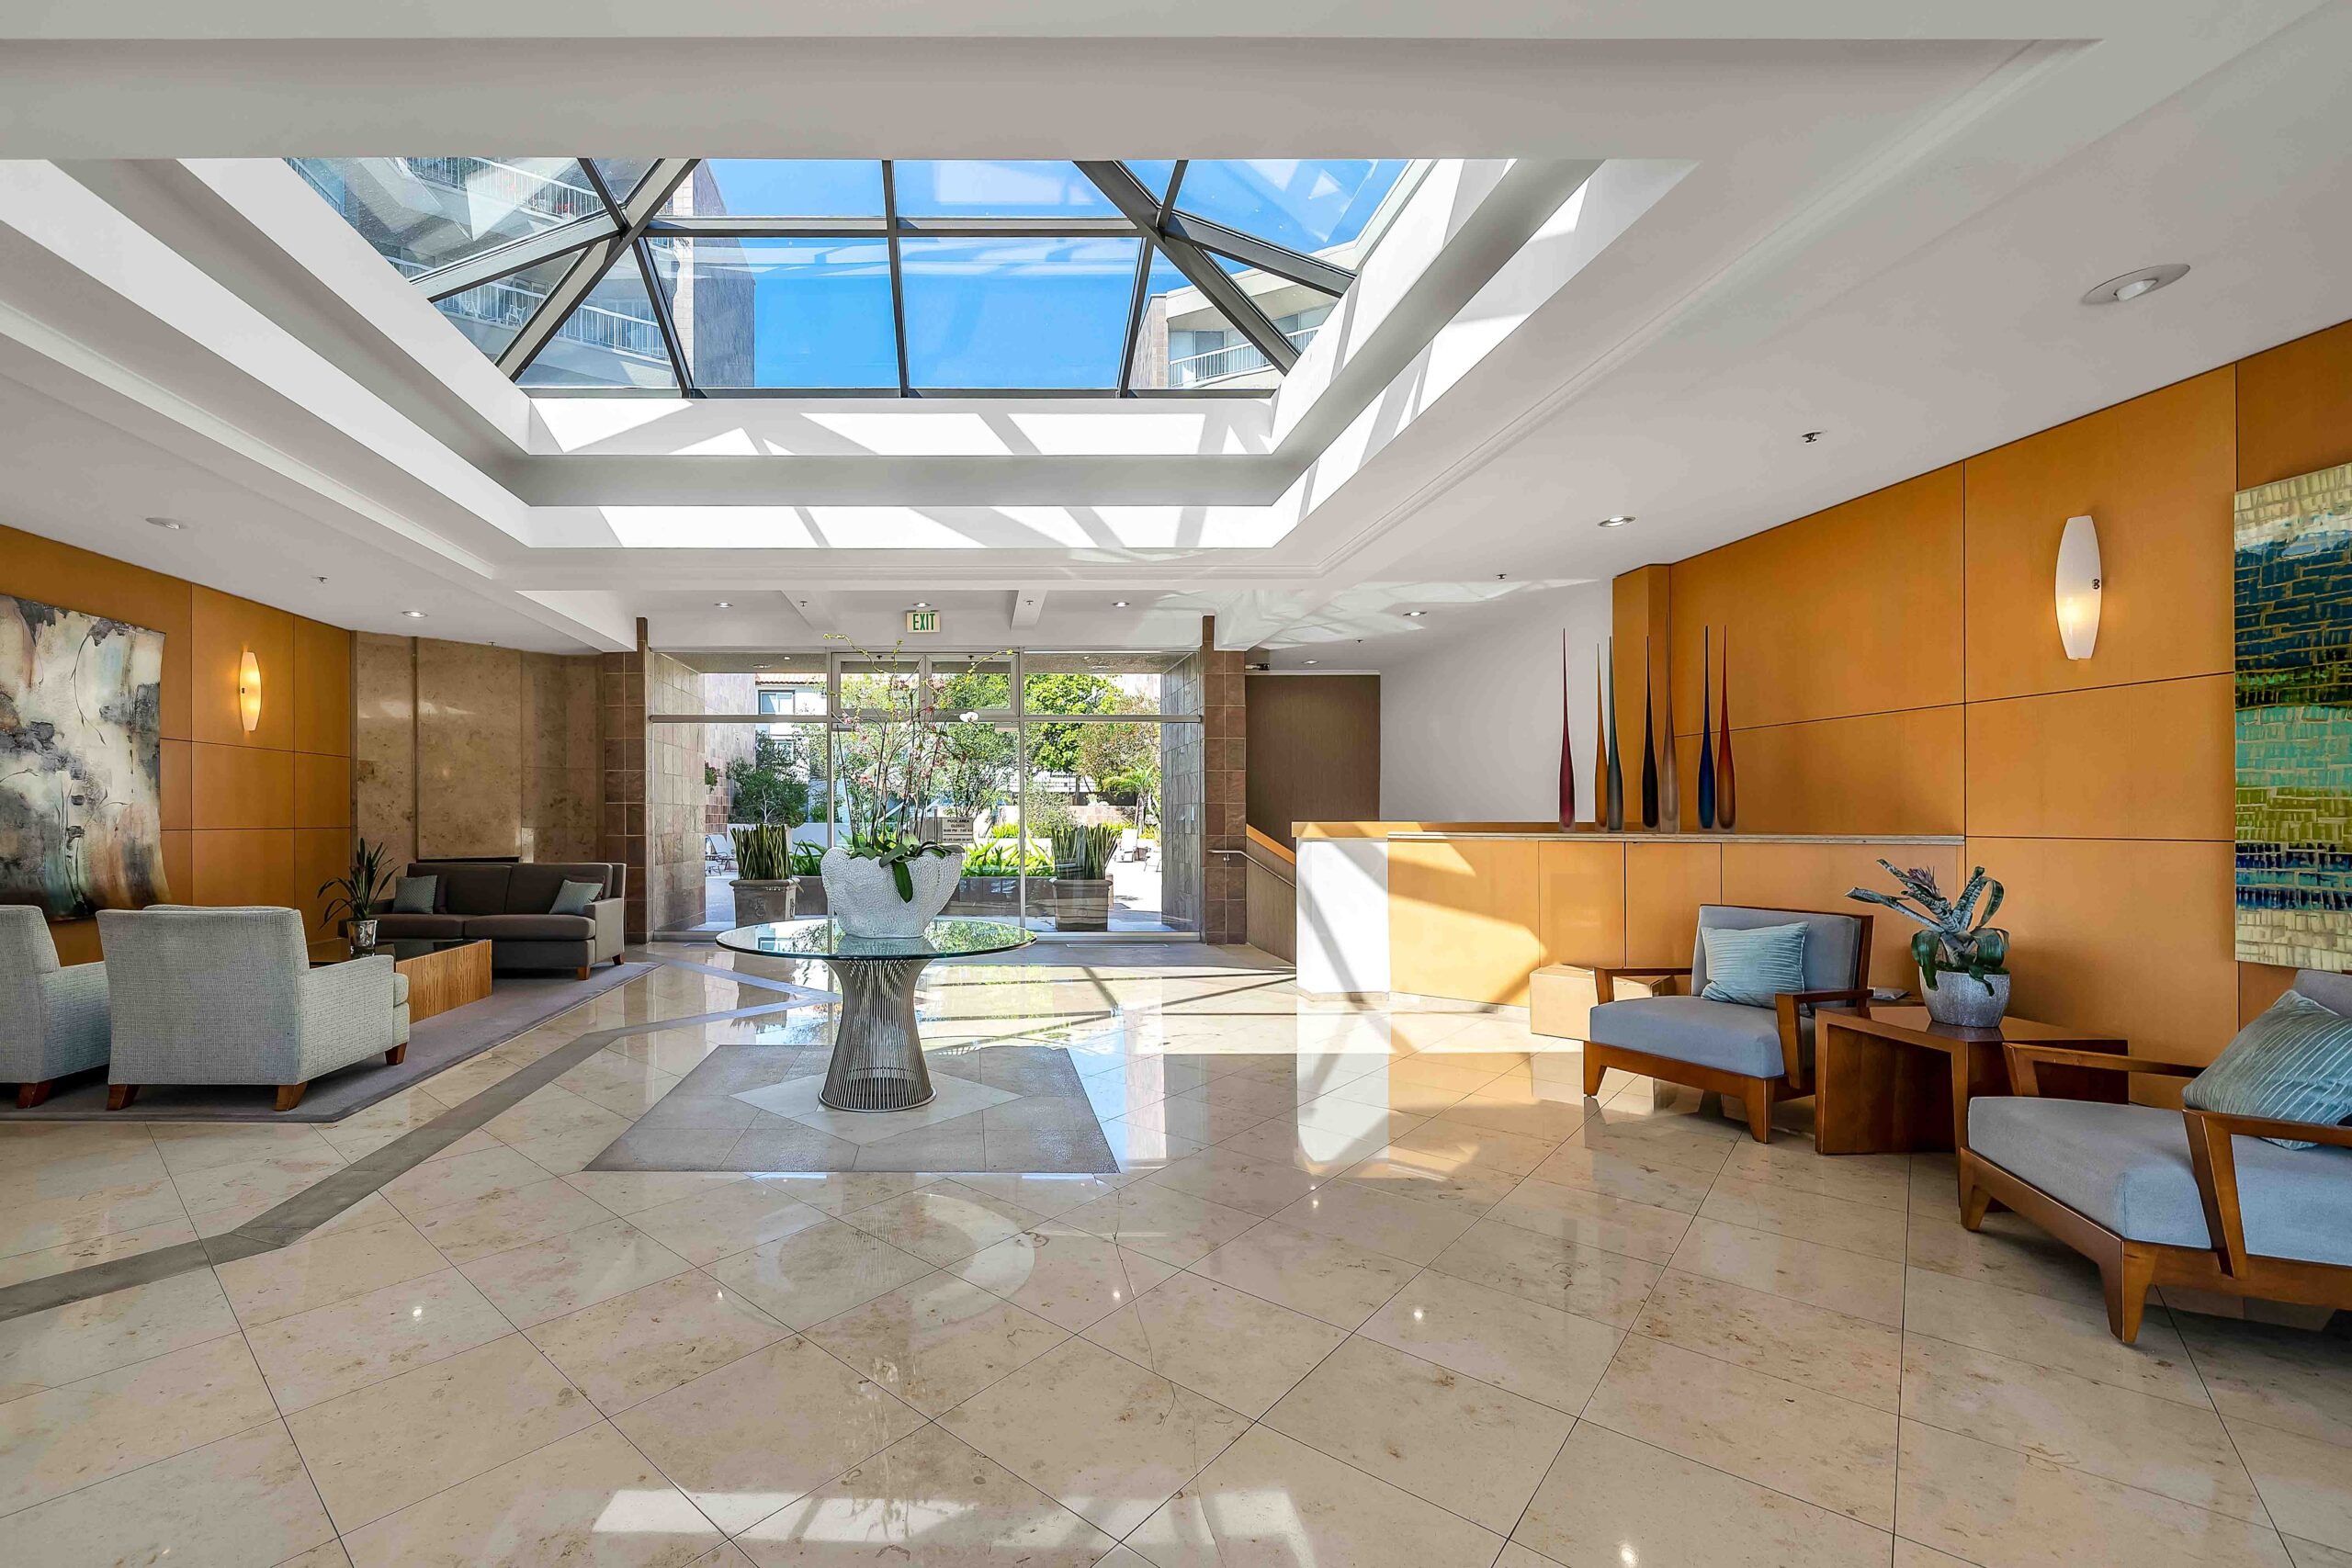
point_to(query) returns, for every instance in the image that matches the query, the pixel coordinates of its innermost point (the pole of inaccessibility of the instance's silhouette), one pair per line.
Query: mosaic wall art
(2294, 722)
(81, 761)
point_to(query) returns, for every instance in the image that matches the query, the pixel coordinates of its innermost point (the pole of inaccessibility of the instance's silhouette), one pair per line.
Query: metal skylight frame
(599, 242)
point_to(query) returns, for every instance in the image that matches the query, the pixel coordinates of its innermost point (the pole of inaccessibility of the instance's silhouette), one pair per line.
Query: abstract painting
(81, 761)
(2294, 722)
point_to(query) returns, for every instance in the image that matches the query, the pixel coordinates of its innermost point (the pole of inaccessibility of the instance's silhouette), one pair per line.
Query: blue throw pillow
(573, 897)
(1753, 965)
(2292, 1064)
(414, 896)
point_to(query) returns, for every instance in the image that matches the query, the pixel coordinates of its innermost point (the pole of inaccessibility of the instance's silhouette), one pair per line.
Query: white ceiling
(1887, 219)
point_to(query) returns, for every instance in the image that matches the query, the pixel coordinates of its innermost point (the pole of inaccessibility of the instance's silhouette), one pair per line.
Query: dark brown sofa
(509, 903)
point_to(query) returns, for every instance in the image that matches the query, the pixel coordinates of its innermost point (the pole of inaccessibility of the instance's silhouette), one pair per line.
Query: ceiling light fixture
(722, 604)
(1619, 521)
(2132, 285)
(174, 524)
(414, 614)
(1315, 661)
(1118, 604)
(1415, 614)
(923, 603)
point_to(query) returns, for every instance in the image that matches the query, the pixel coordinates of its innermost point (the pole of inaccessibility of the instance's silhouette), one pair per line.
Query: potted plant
(807, 879)
(1081, 876)
(359, 894)
(992, 880)
(1961, 945)
(762, 884)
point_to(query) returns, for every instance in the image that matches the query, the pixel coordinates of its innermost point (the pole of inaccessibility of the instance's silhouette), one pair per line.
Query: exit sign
(923, 620)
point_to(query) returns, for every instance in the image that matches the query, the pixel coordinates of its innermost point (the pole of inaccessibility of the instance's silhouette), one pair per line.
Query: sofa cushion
(573, 897)
(1752, 965)
(389, 926)
(535, 884)
(1723, 1035)
(2127, 1167)
(532, 928)
(416, 894)
(473, 889)
(2292, 1063)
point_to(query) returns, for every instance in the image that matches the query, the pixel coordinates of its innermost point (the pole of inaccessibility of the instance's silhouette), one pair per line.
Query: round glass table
(878, 1054)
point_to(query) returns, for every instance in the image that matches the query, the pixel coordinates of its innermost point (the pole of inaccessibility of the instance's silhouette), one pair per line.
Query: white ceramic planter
(1966, 1003)
(863, 895)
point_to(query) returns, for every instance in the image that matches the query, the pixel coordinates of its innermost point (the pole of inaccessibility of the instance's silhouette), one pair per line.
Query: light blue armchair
(229, 996)
(52, 1019)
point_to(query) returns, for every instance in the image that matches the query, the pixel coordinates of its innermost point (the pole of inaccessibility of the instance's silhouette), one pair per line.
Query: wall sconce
(2078, 587)
(249, 691)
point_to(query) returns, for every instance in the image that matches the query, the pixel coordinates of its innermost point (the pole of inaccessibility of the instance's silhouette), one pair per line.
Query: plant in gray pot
(1963, 957)
(762, 884)
(359, 894)
(1081, 876)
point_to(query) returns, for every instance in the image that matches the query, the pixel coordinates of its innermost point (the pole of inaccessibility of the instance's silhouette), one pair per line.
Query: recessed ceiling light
(1315, 661)
(1619, 521)
(174, 524)
(2132, 285)
(1118, 604)
(414, 614)
(923, 603)
(721, 605)
(1415, 614)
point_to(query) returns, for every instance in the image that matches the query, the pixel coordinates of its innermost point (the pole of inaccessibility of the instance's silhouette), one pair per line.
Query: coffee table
(444, 972)
(877, 1051)
(1893, 1081)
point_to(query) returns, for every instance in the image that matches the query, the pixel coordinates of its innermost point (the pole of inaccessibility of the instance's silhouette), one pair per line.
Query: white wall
(1470, 727)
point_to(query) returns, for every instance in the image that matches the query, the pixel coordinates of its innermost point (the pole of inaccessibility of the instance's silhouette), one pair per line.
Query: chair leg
(32, 1094)
(2127, 1279)
(397, 1055)
(120, 1095)
(583, 971)
(1593, 1073)
(1973, 1207)
(289, 1095)
(1759, 1110)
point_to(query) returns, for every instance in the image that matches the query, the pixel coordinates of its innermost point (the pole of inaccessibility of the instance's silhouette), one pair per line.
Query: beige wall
(463, 748)
(674, 797)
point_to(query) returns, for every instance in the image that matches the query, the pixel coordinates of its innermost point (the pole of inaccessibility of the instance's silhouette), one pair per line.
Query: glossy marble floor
(1372, 1287)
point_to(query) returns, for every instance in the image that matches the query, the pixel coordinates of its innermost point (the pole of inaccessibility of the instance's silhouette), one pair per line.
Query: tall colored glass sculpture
(1706, 729)
(1649, 746)
(1567, 746)
(1669, 767)
(1615, 793)
(1724, 799)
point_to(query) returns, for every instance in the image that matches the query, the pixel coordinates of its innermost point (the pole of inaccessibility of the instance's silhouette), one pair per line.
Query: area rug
(754, 1108)
(516, 1003)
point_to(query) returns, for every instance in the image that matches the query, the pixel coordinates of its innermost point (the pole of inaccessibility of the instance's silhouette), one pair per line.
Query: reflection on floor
(1368, 1287)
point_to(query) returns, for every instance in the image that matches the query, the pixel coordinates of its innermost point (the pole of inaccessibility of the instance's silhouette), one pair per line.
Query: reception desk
(1468, 910)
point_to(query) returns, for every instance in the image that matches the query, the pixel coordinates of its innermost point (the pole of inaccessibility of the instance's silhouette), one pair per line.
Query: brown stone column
(1224, 742)
(620, 708)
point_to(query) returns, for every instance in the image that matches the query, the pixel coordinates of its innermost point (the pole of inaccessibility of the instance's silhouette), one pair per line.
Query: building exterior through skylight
(733, 277)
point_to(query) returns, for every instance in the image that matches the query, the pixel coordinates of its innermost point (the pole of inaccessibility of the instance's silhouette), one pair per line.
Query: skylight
(731, 277)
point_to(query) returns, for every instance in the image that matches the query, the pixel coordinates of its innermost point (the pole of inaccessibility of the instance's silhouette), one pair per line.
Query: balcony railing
(506, 303)
(1233, 359)
(503, 185)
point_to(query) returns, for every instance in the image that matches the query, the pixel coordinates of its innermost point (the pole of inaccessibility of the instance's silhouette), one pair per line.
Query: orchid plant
(890, 744)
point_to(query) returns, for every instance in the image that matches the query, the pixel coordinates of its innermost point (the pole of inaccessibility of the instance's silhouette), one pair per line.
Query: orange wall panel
(320, 854)
(1818, 877)
(2154, 760)
(321, 790)
(1854, 610)
(2295, 408)
(1665, 884)
(178, 767)
(221, 627)
(179, 871)
(322, 688)
(2259, 984)
(1580, 901)
(1640, 625)
(250, 866)
(1462, 918)
(2157, 474)
(235, 787)
(1882, 772)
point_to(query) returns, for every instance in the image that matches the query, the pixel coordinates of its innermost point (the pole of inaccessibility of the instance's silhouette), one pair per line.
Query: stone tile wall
(675, 796)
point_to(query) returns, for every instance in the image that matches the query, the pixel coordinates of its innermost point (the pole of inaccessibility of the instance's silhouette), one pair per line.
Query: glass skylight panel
(1153, 175)
(423, 213)
(1306, 204)
(621, 175)
(781, 314)
(491, 313)
(1183, 340)
(999, 188)
(781, 187)
(612, 340)
(1007, 313)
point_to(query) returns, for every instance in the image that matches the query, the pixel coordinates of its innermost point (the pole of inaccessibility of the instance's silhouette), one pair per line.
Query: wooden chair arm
(2022, 1060)
(2270, 1127)
(2215, 1157)
(1605, 977)
(1789, 1008)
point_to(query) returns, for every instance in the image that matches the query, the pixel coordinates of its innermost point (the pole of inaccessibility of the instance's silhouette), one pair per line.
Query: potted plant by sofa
(360, 894)
(1082, 877)
(763, 882)
(1963, 957)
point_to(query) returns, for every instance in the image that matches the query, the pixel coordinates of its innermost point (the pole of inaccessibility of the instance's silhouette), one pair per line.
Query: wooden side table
(1895, 1081)
(443, 971)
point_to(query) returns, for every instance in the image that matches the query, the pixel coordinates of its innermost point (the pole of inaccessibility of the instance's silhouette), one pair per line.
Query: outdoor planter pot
(758, 903)
(1081, 903)
(986, 894)
(807, 895)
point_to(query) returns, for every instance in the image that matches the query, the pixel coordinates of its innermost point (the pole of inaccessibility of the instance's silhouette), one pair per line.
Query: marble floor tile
(805, 1278)
(326, 1267)
(510, 1217)
(1236, 1179)
(1448, 1145)
(1389, 1092)
(333, 1349)
(1661, 1184)
(937, 1341)
(188, 1147)
(1882, 1180)
(1107, 1438)
(1590, 1282)
(1520, 1346)
(1269, 1501)
(2010, 1251)
(396, 1442)
(1466, 1190)
(2157, 1445)
(2286, 1377)
(1807, 1216)
(1046, 1193)
(928, 1499)
(1851, 1282)
(1449, 1439)
(1162, 1222)
(1538, 1112)
(836, 1192)
(1239, 1350)
(1983, 1502)
(624, 1351)
(1825, 1450)
(2305, 1484)
(53, 1260)
(547, 1279)
(746, 1440)
(590, 1497)
(66, 1344)
(65, 1438)
(30, 1223)
(1611, 1500)
(1319, 1275)
(1850, 1357)
(1070, 1277)
(438, 1183)
(2306, 1554)
(626, 1192)
(1593, 1219)
(239, 1502)
(1320, 1151)
(710, 1226)
(2051, 1334)
(1379, 1220)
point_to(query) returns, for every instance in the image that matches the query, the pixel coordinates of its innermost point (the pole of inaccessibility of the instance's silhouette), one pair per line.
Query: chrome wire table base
(877, 1055)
